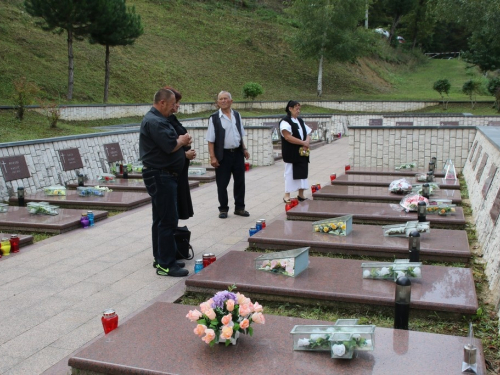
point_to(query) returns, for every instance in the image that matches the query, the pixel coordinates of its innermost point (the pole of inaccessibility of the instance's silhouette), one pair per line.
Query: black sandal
(301, 199)
(287, 201)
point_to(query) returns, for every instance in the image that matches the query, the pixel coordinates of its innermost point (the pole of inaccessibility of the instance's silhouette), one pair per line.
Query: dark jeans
(232, 163)
(162, 187)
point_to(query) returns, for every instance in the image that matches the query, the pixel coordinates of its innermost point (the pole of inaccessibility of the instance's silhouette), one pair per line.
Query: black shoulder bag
(184, 249)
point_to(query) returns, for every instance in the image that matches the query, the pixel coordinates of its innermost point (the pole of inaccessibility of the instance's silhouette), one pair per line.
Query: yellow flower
(316, 228)
(343, 227)
(333, 226)
(325, 229)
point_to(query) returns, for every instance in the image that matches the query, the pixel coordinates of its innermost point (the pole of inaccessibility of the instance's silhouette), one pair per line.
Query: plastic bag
(410, 202)
(401, 186)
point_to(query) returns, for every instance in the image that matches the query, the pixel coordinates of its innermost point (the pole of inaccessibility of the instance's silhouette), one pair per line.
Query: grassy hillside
(202, 47)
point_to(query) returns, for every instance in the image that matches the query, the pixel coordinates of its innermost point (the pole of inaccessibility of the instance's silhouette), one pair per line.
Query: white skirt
(292, 185)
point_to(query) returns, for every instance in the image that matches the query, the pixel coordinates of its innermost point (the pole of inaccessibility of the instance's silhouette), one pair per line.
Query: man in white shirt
(227, 154)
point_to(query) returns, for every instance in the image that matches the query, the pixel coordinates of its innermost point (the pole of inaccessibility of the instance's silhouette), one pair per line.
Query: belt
(232, 149)
(145, 169)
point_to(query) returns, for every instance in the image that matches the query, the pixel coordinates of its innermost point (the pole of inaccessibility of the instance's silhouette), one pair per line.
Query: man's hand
(214, 162)
(185, 139)
(247, 154)
(191, 154)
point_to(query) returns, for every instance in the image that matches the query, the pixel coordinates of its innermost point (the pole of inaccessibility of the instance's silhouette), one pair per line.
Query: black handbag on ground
(184, 249)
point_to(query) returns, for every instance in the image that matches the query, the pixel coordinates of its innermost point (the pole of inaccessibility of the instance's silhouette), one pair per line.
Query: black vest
(220, 134)
(289, 151)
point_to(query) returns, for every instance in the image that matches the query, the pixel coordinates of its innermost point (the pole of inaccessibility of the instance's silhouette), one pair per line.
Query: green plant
(442, 86)
(51, 111)
(24, 94)
(494, 89)
(471, 88)
(252, 90)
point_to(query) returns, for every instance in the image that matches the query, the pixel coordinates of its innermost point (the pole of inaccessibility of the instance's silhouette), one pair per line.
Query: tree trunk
(320, 76)
(393, 28)
(366, 15)
(70, 65)
(106, 75)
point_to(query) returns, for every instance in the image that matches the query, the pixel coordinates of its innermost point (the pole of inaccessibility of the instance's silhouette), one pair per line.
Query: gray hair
(225, 92)
(162, 94)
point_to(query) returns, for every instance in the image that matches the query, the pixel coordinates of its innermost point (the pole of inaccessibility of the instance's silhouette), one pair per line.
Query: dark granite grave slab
(24, 239)
(384, 181)
(122, 184)
(18, 218)
(390, 172)
(375, 194)
(160, 341)
(115, 200)
(449, 290)
(207, 177)
(439, 244)
(370, 213)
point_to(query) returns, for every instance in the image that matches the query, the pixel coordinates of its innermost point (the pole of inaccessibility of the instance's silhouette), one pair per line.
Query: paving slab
(122, 184)
(384, 181)
(390, 172)
(439, 245)
(114, 200)
(207, 177)
(150, 343)
(370, 213)
(18, 218)
(375, 194)
(450, 290)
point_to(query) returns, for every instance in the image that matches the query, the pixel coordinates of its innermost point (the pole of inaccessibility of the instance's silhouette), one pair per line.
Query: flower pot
(232, 339)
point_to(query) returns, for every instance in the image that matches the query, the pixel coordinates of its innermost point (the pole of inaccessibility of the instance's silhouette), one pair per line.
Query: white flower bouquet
(410, 202)
(391, 271)
(406, 166)
(400, 186)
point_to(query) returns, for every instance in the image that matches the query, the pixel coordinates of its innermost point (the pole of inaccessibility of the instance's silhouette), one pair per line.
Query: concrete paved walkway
(52, 293)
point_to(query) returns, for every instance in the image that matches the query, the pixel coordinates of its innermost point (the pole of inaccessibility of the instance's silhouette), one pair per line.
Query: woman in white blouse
(294, 135)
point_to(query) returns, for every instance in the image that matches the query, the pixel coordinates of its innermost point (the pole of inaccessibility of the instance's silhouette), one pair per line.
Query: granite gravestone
(474, 165)
(473, 150)
(113, 152)
(480, 170)
(70, 159)
(14, 168)
(489, 179)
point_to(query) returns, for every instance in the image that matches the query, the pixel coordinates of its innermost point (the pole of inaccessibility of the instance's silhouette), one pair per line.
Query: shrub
(442, 86)
(252, 90)
(24, 94)
(471, 88)
(494, 89)
(51, 111)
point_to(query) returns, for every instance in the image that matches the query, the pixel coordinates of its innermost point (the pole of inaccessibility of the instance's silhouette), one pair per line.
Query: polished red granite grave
(375, 194)
(370, 213)
(160, 341)
(24, 239)
(122, 184)
(441, 289)
(390, 172)
(114, 200)
(440, 244)
(18, 218)
(207, 177)
(384, 181)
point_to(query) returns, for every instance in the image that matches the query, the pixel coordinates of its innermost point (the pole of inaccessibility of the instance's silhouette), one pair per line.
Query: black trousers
(233, 163)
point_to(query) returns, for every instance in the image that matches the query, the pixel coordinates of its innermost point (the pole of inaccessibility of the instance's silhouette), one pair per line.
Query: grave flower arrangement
(406, 166)
(104, 189)
(338, 228)
(432, 188)
(344, 344)
(107, 177)
(400, 186)
(442, 210)
(224, 316)
(389, 271)
(280, 266)
(410, 202)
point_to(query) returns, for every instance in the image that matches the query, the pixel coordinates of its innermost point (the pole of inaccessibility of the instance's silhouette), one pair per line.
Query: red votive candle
(109, 320)
(314, 188)
(294, 201)
(333, 176)
(14, 243)
(318, 187)
(247, 167)
(347, 167)
(288, 206)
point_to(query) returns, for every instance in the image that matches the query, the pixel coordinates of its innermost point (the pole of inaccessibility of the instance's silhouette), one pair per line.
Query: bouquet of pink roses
(410, 202)
(225, 314)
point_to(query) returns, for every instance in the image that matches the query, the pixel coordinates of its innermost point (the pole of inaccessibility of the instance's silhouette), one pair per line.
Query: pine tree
(117, 25)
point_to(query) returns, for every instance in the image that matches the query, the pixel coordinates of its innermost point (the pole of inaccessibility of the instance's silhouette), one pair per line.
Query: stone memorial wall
(56, 161)
(483, 183)
(392, 146)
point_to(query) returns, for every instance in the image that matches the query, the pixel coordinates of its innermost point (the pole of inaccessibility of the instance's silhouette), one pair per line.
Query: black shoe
(222, 215)
(172, 271)
(241, 213)
(179, 263)
(301, 199)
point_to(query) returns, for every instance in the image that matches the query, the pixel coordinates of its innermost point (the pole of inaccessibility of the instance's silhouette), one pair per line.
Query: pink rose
(226, 333)
(259, 318)
(257, 307)
(230, 305)
(200, 330)
(244, 310)
(226, 319)
(209, 335)
(275, 264)
(245, 323)
(205, 306)
(210, 313)
(193, 315)
(241, 299)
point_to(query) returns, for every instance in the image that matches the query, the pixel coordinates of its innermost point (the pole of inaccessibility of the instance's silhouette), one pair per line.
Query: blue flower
(221, 297)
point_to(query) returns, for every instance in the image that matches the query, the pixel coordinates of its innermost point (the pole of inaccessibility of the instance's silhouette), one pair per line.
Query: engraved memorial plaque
(70, 159)
(404, 123)
(14, 168)
(449, 123)
(495, 209)
(477, 158)
(473, 150)
(493, 123)
(375, 122)
(113, 152)
(489, 179)
(480, 170)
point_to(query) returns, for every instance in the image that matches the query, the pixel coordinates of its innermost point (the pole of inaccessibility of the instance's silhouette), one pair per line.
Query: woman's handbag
(182, 237)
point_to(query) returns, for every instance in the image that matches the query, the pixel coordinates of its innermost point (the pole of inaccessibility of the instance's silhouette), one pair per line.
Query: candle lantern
(84, 220)
(252, 231)
(333, 176)
(425, 190)
(314, 188)
(5, 246)
(432, 167)
(294, 201)
(414, 246)
(20, 196)
(206, 260)
(121, 168)
(422, 212)
(263, 221)
(318, 187)
(347, 167)
(14, 243)
(198, 265)
(109, 320)
(125, 172)
(434, 160)
(469, 364)
(402, 302)
(80, 179)
(288, 206)
(258, 225)
(430, 177)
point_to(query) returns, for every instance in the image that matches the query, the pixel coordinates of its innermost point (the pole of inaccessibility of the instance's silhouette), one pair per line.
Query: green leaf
(250, 331)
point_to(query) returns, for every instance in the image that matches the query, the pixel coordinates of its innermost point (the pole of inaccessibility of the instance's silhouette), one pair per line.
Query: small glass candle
(109, 320)
(90, 216)
(263, 221)
(212, 257)
(5, 246)
(80, 179)
(333, 176)
(347, 167)
(247, 166)
(314, 189)
(318, 187)
(258, 225)
(252, 231)
(14, 243)
(84, 220)
(206, 260)
(121, 168)
(198, 265)
(288, 206)
(294, 201)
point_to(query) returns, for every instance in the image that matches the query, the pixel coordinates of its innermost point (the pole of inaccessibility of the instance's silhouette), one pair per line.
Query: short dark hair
(163, 94)
(291, 103)
(178, 95)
